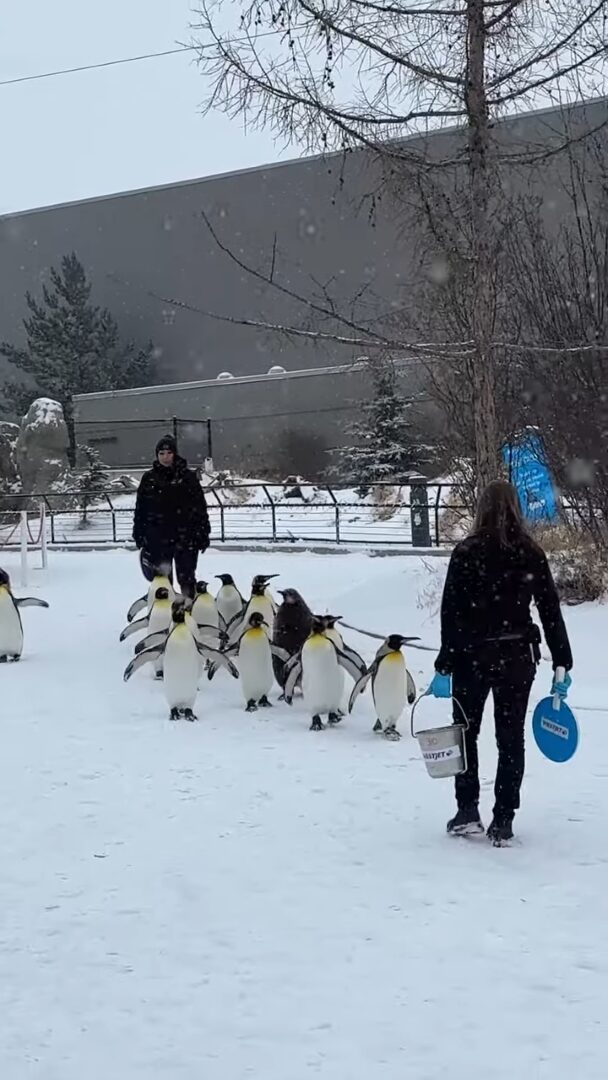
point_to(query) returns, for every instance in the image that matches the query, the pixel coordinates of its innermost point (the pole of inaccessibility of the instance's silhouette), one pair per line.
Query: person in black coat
(171, 521)
(489, 643)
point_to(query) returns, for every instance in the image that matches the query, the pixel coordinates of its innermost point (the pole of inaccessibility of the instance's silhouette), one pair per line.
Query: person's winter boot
(466, 822)
(500, 831)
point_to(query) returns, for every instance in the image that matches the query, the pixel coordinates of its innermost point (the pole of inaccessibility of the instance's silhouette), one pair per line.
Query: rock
(123, 484)
(42, 448)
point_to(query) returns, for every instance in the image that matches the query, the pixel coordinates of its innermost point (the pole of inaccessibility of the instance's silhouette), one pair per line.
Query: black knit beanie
(166, 443)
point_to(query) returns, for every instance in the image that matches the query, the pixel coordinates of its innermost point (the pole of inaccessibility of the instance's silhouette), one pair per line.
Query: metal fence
(419, 516)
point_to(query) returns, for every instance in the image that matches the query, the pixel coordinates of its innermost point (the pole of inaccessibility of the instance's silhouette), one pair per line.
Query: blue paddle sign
(555, 730)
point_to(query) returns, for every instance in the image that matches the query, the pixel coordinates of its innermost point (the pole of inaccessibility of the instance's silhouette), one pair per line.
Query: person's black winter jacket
(171, 512)
(486, 601)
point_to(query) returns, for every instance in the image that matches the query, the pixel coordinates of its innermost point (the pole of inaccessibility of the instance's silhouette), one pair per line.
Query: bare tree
(339, 74)
(560, 289)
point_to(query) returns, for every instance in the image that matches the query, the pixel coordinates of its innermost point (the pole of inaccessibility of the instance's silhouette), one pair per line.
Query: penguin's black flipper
(30, 601)
(354, 668)
(218, 659)
(146, 657)
(134, 628)
(295, 671)
(411, 688)
(281, 654)
(354, 659)
(152, 641)
(136, 607)
(359, 687)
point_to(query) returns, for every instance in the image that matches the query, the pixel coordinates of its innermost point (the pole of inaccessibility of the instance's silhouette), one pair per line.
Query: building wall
(146, 248)
(282, 423)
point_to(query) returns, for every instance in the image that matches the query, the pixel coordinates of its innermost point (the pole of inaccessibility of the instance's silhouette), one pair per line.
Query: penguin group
(261, 642)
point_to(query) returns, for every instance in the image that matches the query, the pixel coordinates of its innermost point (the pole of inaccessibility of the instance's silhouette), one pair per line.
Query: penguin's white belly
(263, 605)
(255, 667)
(389, 690)
(322, 681)
(11, 633)
(181, 668)
(205, 612)
(228, 602)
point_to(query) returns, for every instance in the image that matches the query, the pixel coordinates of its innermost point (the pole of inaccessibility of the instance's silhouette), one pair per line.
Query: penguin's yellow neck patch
(317, 640)
(181, 632)
(256, 632)
(395, 657)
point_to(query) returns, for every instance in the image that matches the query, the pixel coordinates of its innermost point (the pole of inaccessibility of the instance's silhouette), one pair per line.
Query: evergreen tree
(383, 446)
(73, 347)
(92, 482)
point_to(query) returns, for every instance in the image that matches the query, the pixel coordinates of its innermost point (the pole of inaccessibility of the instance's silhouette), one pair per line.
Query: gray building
(154, 263)
(277, 423)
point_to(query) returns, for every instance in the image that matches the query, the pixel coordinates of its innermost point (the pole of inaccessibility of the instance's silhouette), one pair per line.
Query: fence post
(23, 547)
(44, 561)
(209, 439)
(221, 506)
(336, 512)
(419, 513)
(175, 423)
(437, 504)
(273, 511)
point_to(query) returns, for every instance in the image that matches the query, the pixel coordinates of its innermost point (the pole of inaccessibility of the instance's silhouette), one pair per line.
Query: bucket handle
(465, 721)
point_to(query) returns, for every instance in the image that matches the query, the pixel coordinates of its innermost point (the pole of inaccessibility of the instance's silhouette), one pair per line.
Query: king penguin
(206, 615)
(157, 622)
(261, 601)
(181, 654)
(292, 624)
(11, 628)
(146, 601)
(255, 653)
(392, 686)
(228, 600)
(319, 665)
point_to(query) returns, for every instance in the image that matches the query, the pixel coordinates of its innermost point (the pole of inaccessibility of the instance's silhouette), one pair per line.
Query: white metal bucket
(443, 749)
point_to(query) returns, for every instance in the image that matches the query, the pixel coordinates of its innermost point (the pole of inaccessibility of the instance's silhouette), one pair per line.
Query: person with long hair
(490, 644)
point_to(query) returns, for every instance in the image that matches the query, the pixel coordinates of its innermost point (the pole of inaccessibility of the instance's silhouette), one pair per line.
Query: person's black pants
(509, 679)
(185, 559)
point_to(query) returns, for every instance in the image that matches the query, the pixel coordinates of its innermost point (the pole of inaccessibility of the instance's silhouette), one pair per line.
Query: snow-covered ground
(244, 898)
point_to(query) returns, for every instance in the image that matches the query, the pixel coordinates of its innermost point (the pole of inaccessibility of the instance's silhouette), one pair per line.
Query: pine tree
(73, 347)
(383, 446)
(92, 482)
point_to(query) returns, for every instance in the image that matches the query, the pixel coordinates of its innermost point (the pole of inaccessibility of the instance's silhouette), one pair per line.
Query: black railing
(422, 516)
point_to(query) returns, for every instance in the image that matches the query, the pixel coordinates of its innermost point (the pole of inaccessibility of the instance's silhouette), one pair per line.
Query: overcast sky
(121, 128)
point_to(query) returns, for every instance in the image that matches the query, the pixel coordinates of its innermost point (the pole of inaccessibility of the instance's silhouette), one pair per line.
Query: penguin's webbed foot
(189, 715)
(174, 714)
(335, 718)
(15, 659)
(377, 726)
(251, 706)
(265, 703)
(317, 724)
(158, 675)
(392, 734)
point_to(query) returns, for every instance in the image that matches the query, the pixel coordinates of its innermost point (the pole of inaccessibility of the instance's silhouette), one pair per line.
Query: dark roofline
(172, 186)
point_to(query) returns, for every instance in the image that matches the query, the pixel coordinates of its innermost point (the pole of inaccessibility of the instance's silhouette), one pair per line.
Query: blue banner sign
(528, 472)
